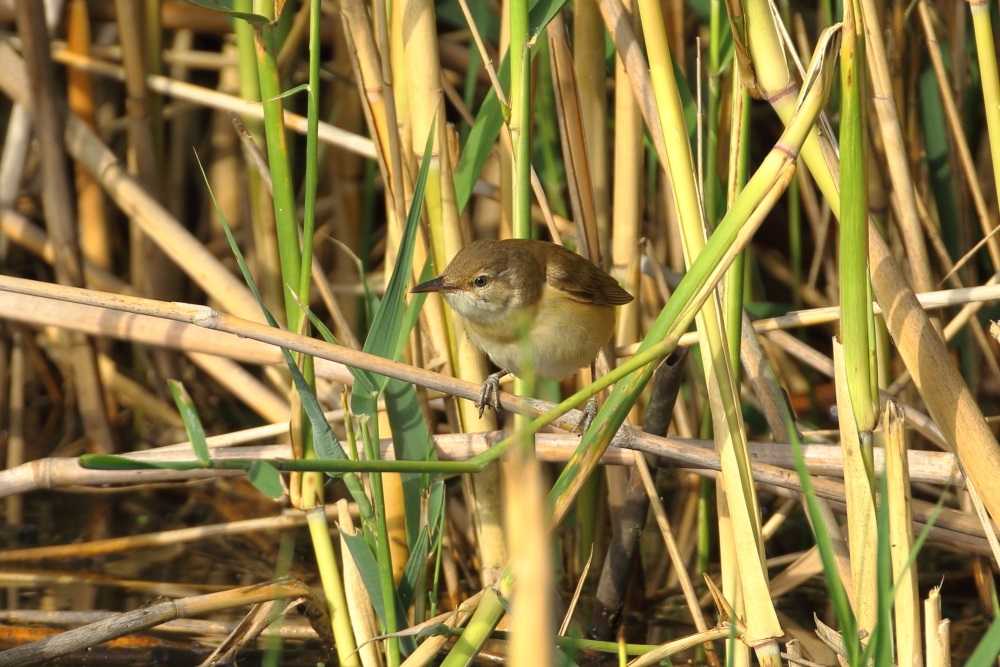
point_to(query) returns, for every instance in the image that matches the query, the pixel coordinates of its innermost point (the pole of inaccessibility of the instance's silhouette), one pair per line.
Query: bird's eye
(481, 280)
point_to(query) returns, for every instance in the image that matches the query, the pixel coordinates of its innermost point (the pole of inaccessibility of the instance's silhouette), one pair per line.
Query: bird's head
(489, 281)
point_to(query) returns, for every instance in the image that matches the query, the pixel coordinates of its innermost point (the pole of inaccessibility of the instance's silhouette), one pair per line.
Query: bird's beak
(436, 285)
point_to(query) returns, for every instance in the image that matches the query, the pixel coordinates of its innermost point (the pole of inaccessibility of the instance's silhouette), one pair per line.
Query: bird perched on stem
(529, 305)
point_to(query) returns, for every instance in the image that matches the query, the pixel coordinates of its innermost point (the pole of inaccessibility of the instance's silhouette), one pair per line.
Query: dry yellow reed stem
(591, 81)
(573, 140)
(149, 269)
(906, 602)
(94, 233)
(363, 620)
(447, 237)
(528, 526)
(934, 650)
(893, 148)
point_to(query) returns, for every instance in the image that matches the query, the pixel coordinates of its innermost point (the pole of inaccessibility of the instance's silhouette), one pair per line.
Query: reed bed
(231, 433)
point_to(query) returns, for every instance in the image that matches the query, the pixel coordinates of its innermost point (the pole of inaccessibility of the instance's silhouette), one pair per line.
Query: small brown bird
(563, 303)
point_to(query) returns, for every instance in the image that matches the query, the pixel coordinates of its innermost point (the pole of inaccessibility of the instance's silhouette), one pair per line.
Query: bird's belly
(563, 336)
(568, 334)
(499, 340)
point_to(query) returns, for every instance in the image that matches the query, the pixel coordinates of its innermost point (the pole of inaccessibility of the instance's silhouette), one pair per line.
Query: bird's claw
(587, 415)
(490, 393)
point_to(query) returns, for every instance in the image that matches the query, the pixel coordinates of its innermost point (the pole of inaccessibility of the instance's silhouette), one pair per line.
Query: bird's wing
(581, 280)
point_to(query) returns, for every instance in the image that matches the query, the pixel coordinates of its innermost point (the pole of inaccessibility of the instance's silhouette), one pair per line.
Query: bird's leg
(588, 413)
(490, 393)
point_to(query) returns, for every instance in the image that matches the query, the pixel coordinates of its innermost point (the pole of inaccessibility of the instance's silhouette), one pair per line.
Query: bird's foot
(587, 416)
(490, 393)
